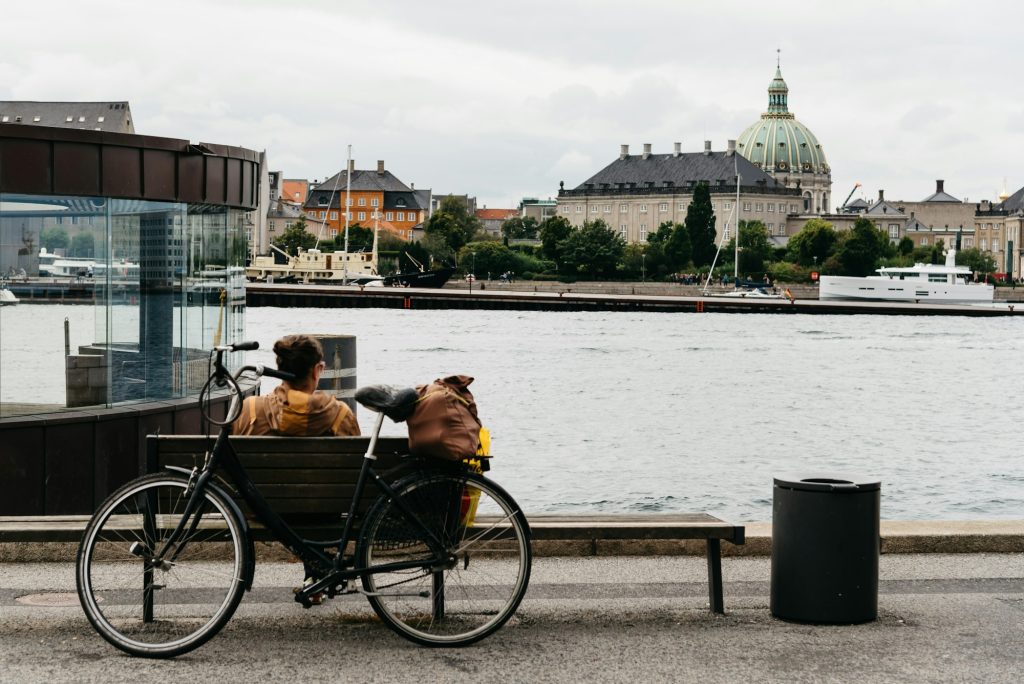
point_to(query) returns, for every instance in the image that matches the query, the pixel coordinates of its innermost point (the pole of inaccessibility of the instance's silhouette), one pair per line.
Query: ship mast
(348, 193)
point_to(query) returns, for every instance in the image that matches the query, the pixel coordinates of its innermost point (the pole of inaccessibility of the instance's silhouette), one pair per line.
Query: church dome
(777, 142)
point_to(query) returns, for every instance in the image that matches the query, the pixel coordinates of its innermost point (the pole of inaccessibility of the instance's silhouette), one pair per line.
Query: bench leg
(715, 576)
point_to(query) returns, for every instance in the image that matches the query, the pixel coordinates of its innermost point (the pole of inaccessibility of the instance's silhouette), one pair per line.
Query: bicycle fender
(249, 570)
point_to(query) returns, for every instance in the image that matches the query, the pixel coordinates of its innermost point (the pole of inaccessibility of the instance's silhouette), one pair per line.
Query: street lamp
(643, 268)
(473, 273)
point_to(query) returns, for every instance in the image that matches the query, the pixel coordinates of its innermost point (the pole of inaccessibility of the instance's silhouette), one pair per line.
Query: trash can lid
(829, 483)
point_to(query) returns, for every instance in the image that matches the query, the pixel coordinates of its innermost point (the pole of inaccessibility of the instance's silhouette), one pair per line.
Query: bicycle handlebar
(274, 373)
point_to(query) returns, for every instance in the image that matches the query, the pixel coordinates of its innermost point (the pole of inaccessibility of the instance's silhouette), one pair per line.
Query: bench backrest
(299, 476)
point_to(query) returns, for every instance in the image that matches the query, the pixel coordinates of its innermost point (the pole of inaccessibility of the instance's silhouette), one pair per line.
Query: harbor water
(649, 412)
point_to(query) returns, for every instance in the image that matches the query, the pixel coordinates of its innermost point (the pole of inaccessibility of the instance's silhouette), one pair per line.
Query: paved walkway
(942, 618)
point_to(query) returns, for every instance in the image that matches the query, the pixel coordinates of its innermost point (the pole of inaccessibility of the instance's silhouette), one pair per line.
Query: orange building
(375, 198)
(295, 190)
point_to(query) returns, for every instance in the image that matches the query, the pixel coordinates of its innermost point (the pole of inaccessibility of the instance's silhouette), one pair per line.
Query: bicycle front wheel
(164, 606)
(470, 591)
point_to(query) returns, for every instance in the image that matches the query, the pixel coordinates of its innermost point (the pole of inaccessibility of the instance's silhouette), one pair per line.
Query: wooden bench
(310, 481)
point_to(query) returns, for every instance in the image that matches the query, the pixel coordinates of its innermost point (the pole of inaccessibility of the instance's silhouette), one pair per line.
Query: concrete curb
(897, 536)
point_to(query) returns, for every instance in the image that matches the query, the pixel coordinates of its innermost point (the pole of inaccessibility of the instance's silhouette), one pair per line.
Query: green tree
(453, 223)
(295, 236)
(678, 250)
(700, 224)
(906, 246)
(483, 258)
(82, 245)
(553, 233)
(813, 244)
(980, 262)
(53, 238)
(594, 250)
(860, 250)
(520, 228)
(755, 249)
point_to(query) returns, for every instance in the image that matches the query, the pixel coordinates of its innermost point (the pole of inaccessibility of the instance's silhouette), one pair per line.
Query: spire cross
(778, 57)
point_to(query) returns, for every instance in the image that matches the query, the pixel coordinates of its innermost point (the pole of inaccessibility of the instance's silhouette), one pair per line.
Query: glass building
(122, 263)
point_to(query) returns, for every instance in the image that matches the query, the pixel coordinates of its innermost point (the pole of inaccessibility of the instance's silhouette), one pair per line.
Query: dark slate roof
(914, 224)
(883, 208)
(859, 203)
(279, 209)
(687, 167)
(940, 197)
(411, 200)
(117, 116)
(362, 181)
(423, 198)
(1014, 202)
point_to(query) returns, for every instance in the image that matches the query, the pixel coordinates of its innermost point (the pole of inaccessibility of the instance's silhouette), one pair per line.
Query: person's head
(299, 355)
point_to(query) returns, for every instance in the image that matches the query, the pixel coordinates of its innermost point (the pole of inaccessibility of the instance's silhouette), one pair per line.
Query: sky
(505, 100)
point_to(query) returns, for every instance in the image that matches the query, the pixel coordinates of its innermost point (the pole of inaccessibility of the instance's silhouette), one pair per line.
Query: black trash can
(825, 545)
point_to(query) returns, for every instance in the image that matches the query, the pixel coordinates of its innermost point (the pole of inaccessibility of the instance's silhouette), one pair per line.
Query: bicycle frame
(332, 571)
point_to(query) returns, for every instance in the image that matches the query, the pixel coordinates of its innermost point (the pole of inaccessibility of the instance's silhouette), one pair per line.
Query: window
(334, 216)
(400, 216)
(664, 207)
(579, 208)
(81, 119)
(643, 208)
(321, 201)
(348, 201)
(594, 208)
(771, 207)
(894, 231)
(565, 208)
(760, 206)
(362, 216)
(334, 232)
(727, 206)
(924, 242)
(323, 214)
(69, 119)
(362, 201)
(389, 216)
(622, 232)
(607, 208)
(348, 215)
(643, 232)
(746, 206)
(725, 231)
(623, 208)
(681, 207)
(374, 202)
(771, 229)
(968, 242)
(99, 119)
(37, 119)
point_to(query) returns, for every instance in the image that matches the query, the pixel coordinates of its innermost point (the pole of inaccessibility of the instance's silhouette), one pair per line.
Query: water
(646, 412)
(638, 412)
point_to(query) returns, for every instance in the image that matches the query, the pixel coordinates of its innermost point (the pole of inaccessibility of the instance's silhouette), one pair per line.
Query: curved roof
(777, 141)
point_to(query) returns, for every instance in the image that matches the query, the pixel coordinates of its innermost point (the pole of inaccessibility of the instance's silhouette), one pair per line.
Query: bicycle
(443, 555)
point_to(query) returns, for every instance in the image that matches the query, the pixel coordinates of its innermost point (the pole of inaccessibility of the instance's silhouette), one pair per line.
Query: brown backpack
(445, 423)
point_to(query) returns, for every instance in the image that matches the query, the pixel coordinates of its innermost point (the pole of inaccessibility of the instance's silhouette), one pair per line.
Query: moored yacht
(944, 283)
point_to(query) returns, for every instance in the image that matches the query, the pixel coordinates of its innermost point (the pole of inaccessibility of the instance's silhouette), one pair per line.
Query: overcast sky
(503, 100)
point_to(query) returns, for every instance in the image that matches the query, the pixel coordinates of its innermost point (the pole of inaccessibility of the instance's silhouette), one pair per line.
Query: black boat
(436, 278)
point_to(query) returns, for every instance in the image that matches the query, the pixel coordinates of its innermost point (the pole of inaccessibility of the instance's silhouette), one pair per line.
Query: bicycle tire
(185, 609)
(469, 599)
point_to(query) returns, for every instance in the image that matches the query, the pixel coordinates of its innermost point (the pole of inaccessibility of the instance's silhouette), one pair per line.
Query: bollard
(339, 377)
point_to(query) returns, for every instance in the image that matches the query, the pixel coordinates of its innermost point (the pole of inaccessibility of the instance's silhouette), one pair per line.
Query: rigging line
(330, 201)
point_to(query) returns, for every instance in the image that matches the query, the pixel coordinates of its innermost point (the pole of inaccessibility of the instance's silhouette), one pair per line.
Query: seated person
(296, 408)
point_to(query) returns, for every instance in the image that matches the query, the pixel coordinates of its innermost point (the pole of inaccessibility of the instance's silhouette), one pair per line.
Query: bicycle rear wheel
(160, 609)
(487, 541)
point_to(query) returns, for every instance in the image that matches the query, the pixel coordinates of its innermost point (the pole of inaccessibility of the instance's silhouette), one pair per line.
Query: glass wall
(111, 301)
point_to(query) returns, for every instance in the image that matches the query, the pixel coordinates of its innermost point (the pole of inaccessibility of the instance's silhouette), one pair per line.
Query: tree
(700, 224)
(82, 245)
(813, 244)
(594, 250)
(980, 262)
(519, 228)
(53, 238)
(295, 236)
(755, 249)
(453, 223)
(678, 250)
(859, 251)
(486, 258)
(906, 246)
(553, 232)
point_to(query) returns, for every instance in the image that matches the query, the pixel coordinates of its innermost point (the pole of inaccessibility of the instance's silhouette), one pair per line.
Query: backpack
(445, 423)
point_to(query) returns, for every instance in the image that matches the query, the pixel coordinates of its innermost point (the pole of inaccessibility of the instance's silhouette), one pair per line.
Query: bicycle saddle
(397, 403)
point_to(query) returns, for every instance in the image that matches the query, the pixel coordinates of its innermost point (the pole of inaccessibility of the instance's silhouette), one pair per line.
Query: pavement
(942, 618)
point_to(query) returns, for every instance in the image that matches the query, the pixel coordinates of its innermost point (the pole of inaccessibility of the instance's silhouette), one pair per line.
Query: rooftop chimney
(731, 148)
(938, 185)
(707, 147)
(351, 165)
(881, 195)
(678, 149)
(647, 150)
(623, 151)
(380, 167)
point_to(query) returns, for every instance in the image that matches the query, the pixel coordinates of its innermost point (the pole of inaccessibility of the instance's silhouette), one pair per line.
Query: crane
(855, 186)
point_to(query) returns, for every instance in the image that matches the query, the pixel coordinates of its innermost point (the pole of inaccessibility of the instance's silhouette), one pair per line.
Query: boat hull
(419, 278)
(895, 290)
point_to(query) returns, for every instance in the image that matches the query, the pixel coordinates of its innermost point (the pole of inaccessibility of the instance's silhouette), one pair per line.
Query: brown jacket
(290, 412)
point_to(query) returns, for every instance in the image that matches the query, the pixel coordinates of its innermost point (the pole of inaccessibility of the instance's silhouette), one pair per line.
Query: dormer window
(99, 119)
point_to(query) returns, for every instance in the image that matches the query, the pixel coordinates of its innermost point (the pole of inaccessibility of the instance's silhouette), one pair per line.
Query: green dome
(778, 142)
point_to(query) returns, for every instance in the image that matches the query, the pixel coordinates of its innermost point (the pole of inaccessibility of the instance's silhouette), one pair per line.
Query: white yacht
(943, 283)
(7, 297)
